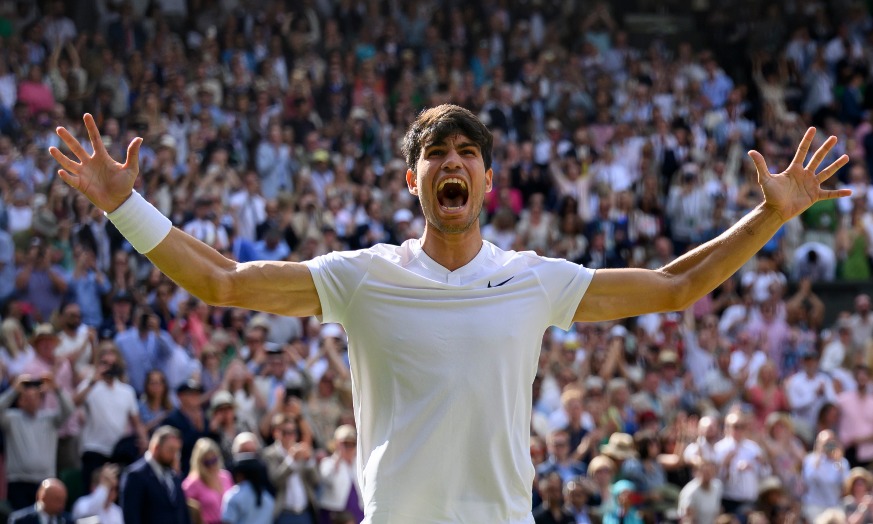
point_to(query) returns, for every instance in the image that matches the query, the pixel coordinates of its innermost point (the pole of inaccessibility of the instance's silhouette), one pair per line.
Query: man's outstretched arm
(284, 288)
(620, 293)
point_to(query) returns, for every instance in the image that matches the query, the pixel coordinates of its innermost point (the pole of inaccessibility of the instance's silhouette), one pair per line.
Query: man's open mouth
(452, 193)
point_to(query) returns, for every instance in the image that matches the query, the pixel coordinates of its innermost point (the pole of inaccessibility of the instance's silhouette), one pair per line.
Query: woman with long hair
(16, 352)
(786, 452)
(249, 502)
(766, 396)
(207, 482)
(154, 404)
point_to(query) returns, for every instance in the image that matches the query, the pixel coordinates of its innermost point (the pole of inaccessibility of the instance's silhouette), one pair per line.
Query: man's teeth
(452, 180)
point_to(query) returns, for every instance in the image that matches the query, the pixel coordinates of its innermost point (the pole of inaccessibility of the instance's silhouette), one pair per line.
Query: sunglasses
(211, 461)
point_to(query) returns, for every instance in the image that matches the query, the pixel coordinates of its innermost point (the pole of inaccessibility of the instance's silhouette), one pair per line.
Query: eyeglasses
(349, 443)
(210, 461)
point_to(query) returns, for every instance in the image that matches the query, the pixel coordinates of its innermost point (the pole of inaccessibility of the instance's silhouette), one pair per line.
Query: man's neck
(452, 251)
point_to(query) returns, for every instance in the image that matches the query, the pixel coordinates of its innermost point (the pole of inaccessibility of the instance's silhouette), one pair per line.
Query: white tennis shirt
(442, 365)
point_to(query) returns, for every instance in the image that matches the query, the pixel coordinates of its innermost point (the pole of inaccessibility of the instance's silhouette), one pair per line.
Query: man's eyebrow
(442, 143)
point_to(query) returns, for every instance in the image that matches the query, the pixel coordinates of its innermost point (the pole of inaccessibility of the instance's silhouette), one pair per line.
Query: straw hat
(857, 474)
(619, 447)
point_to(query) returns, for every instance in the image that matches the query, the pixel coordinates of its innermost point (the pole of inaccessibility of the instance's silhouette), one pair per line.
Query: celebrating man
(444, 331)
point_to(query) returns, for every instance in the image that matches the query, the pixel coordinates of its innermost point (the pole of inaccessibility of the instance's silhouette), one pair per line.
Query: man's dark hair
(440, 122)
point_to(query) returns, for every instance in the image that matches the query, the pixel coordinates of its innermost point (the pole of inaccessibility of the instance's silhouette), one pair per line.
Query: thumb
(760, 166)
(132, 160)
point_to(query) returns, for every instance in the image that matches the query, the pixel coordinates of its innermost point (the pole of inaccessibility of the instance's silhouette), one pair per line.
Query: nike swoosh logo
(500, 284)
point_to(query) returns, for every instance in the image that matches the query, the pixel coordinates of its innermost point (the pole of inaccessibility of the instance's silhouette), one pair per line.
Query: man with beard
(151, 490)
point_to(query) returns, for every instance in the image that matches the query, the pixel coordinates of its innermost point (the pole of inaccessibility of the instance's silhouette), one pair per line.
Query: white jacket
(337, 480)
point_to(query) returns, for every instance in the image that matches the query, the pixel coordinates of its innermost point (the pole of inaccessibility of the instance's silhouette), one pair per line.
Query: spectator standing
(825, 471)
(249, 502)
(30, 435)
(856, 423)
(144, 347)
(101, 502)
(190, 420)
(44, 342)
(700, 499)
(340, 490)
(88, 286)
(858, 502)
(274, 163)
(808, 391)
(742, 465)
(40, 281)
(111, 414)
(76, 340)
(292, 470)
(154, 403)
(552, 511)
(51, 501)
(151, 490)
(207, 482)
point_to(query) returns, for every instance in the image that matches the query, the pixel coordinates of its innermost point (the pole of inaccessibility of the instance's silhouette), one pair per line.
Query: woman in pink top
(208, 480)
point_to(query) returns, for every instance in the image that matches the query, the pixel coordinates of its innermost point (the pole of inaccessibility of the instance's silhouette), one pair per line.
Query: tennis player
(445, 330)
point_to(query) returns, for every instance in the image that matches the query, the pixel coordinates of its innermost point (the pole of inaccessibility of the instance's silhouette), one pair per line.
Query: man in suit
(51, 499)
(151, 490)
(292, 470)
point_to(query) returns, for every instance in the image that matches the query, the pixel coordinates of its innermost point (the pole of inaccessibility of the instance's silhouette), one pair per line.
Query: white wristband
(141, 223)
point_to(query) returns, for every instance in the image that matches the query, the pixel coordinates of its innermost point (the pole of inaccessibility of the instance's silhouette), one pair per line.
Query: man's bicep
(283, 288)
(621, 293)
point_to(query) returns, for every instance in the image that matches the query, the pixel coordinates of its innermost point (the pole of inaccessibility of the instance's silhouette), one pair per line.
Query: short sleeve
(337, 276)
(564, 283)
(229, 510)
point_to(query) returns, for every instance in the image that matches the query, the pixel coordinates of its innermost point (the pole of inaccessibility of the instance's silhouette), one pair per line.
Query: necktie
(168, 480)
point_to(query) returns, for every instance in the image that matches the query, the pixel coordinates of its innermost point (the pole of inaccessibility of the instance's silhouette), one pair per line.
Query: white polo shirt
(442, 366)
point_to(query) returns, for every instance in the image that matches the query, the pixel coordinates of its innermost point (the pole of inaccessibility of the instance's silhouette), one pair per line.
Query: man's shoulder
(137, 467)
(274, 451)
(24, 516)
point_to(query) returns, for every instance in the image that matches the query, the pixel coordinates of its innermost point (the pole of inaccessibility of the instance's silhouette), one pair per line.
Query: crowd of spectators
(271, 132)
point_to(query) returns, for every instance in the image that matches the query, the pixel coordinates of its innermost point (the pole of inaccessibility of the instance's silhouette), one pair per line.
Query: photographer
(31, 435)
(110, 410)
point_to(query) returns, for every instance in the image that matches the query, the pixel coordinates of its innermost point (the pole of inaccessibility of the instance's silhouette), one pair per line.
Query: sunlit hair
(438, 123)
(8, 329)
(203, 447)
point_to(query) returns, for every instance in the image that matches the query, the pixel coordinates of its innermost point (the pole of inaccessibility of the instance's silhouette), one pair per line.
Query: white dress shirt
(94, 505)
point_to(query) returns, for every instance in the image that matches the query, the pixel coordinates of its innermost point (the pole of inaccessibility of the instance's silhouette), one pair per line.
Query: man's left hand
(792, 191)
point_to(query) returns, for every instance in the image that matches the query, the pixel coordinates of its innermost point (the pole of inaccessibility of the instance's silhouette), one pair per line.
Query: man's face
(286, 434)
(54, 500)
(73, 317)
(451, 182)
(276, 366)
(167, 451)
(577, 495)
(45, 347)
(29, 400)
(189, 399)
(560, 446)
(862, 377)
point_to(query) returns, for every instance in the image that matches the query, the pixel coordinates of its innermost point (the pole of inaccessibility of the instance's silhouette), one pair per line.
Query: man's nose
(452, 161)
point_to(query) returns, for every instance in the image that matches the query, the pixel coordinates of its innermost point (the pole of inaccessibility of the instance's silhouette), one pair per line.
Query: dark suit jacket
(145, 499)
(29, 516)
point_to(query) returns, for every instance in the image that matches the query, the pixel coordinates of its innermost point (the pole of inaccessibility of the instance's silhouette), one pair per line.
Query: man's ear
(489, 175)
(411, 182)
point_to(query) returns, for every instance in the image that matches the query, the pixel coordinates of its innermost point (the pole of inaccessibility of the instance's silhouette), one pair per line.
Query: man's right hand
(105, 182)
